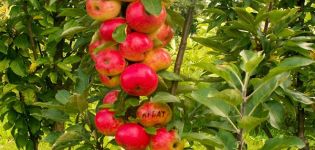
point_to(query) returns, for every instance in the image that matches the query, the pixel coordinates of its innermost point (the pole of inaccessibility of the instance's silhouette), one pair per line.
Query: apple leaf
(120, 33)
(283, 143)
(63, 96)
(164, 97)
(150, 130)
(153, 7)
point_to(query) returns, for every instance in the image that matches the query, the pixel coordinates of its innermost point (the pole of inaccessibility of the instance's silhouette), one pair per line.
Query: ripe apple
(110, 62)
(109, 26)
(141, 21)
(132, 136)
(158, 59)
(111, 97)
(154, 114)
(103, 9)
(166, 140)
(163, 35)
(135, 46)
(106, 122)
(100, 44)
(110, 81)
(139, 80)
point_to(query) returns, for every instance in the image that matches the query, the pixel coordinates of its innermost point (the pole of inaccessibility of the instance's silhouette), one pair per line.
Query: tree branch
(29, 30)
(183, 44)
(267, 20)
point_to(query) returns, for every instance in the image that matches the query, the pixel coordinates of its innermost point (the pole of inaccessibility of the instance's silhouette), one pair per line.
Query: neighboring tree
(242, 70)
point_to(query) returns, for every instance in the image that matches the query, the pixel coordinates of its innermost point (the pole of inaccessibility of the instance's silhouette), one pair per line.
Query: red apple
(141, 21)
(154, 114)
(106, 122)
(132, 136)
(103, 9)
(139, 80)
(135, 46)
(166, 140)
(163, 35)
(110, 81)
(158, 59)
(100, 44)
(110, 62)
(111, 97)
(92, 48)
(109, 26)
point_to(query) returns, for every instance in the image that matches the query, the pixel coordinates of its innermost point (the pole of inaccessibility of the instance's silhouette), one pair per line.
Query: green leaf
(276, 114)
(35, 3)
(283, 143)
(169, 76)
(251, 60)
(209, 42)
(228, 72)
(72, 12)
(83, 81)
(3, 47)
(52, 137)
(22, 41)
(217, 106)
(72, 59)
(73, 30)
(230, 96)
(150, 130)
(63, 96)
(290, 64)
(4, 64)
(120, 33)
(69, 138)
(248, 122)
(55, 115)
(18, 67)
(264, 90)
(175, 19)
(63, 66)
(244, 15)
(298, 96)
(29, 96)
(77, 103)
(203, 138)
(165, 97)
(53, 77)
(153, 7)
(227, 139)
(34, 125)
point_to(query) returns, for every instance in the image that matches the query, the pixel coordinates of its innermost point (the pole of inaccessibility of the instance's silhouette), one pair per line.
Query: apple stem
(183, 44)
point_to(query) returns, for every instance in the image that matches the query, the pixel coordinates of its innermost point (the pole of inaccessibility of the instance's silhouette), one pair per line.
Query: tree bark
(183, 44)
(301, 127)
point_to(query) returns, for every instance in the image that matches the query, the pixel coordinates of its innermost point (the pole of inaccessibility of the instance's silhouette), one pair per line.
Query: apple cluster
(128, 51)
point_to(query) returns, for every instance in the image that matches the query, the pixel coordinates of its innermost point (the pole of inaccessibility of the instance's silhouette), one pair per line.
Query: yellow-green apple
(166, 140)
(103, 9)
(139, 80)
(154, 114)
(106, 123)
(158, 59)
(140, 20)
(132, 136)
(109, 26)
(111, 97)
(110, 62)
(110, 81)
(162, 36)
(135, 46)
